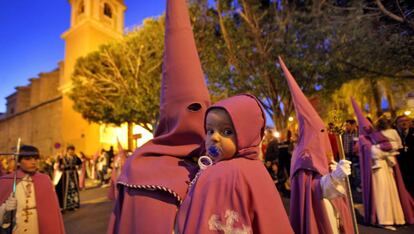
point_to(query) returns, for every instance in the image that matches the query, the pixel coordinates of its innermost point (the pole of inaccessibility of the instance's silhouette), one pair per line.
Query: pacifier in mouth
(213, 151)
(204, 162)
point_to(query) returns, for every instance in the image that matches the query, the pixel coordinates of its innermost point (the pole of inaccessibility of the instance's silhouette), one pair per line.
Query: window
(107, 10)
(81, 8)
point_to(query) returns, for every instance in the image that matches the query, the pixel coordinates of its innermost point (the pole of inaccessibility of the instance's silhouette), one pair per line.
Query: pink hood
(313, 148)
(249, 121)
(184, 100)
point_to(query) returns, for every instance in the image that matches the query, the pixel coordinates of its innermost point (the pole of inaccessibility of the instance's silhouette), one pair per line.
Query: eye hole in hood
(194, 107)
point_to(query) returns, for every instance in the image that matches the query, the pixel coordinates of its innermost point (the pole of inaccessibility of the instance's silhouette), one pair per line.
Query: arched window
(107, 10)
(81, 7)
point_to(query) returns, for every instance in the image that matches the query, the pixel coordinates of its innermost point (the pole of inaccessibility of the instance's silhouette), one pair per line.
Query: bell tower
(92, 23)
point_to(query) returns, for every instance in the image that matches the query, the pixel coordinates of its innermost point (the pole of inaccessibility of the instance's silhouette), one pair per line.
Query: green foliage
(395, 91)
(121, 81)
(323, 43)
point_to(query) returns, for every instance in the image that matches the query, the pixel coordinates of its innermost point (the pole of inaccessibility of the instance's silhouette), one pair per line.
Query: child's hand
(11, 203)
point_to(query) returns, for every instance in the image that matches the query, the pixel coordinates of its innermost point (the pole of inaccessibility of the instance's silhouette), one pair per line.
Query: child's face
(221, 134)
(29, 164)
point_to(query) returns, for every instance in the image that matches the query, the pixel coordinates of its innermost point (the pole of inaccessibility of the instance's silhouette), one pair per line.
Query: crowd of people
(69, 172)
(202, 172)
(277, 149)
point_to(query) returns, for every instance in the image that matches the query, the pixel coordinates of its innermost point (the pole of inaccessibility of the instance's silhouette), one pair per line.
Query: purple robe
(308, 214)
(238, 194)
(47, 206)
(368, 194)
(309, 164)
(367, 137)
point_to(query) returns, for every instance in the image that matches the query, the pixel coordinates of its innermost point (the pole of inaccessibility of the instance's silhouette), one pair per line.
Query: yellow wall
(84, 36)
(43, 112)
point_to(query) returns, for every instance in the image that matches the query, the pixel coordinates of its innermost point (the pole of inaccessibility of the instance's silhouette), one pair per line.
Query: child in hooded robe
(233, 192)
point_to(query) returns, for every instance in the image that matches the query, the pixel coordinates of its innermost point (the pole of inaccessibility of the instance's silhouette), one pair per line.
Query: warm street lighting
(276, 134)
(290, 119)
(407, 113)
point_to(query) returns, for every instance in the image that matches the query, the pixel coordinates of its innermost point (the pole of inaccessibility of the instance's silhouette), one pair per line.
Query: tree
(121, 81)
(394, 92)
(324, 43)
(398, 11)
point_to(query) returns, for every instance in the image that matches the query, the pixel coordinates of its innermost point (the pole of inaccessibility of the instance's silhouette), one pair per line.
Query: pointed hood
(313, 148)
(248, 118)
(184, 95)
(184, 101)
(365, 127)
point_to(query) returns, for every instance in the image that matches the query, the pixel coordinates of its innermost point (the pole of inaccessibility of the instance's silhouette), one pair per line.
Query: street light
(407, 113)
(290, 119)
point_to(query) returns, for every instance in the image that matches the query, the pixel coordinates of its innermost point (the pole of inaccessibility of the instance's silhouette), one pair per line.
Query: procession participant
(406, 156)
(318, 203)
(236, 193)
(386, 200)
(154, 180)
(118, 163)
(35, 203)
(67, 188)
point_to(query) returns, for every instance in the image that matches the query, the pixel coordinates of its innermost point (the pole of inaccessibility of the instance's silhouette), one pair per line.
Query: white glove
(342, 170)
(11, 203)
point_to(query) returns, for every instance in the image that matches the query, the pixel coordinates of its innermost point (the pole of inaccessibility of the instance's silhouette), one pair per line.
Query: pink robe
(236, 195)
(308, 212)
(118, 163)
(154, 180)
(47, 206)
(239, 186)
(82, 174)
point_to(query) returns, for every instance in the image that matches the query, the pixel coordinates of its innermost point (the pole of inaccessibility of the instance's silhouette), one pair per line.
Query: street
(93, 216)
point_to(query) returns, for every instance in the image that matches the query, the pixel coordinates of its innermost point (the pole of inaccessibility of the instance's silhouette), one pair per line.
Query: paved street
(92, 217)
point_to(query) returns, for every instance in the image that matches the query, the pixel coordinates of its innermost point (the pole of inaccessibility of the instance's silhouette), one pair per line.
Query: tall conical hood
(184, 101)
(184, 95)
(313, 148)
(365, 127)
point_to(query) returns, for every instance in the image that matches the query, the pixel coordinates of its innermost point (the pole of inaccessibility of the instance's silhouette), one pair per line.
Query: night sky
(30, 40)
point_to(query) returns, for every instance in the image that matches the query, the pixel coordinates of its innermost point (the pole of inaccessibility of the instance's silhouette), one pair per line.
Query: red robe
(47, 206)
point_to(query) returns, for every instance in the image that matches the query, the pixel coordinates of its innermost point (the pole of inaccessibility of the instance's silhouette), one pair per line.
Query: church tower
(93, 23)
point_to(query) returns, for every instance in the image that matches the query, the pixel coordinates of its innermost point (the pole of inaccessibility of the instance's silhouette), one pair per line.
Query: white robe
(26, 207)
(387, 201)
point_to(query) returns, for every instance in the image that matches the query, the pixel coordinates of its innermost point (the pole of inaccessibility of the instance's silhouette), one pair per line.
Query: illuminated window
(107, 10)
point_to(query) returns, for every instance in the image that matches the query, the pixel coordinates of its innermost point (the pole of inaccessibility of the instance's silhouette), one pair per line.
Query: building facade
(41, 113)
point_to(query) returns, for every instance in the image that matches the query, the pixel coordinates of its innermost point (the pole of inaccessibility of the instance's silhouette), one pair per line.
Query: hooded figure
(155, 179)
(118, 163)
(236, 194)
(383, 191)
(317, 196)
